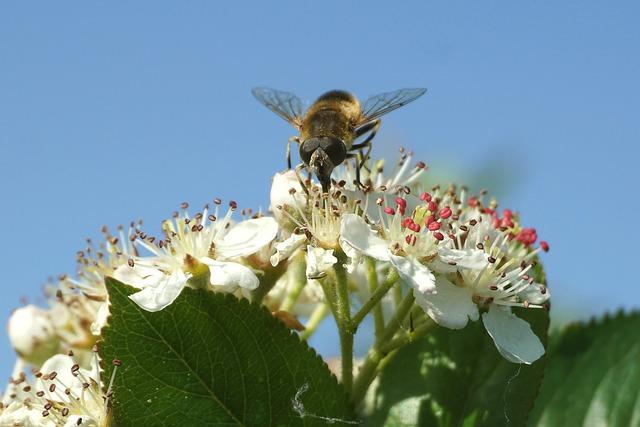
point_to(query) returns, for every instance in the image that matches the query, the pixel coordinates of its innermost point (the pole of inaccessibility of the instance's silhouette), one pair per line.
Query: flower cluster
(388, 247)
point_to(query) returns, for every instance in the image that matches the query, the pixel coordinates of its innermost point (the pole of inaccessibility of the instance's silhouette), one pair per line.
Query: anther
(445, 212)
(184, 205)
(435, 225)
(233, 205)
(130, 262)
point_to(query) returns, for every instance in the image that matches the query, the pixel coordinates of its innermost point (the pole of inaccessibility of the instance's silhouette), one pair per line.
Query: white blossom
(195, 248)
(33, 334)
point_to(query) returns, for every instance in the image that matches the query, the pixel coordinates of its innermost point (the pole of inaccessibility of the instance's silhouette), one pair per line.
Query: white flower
(193, 249)
(287, 247)
(287, 197)
(32, 334)
(319, 260)
(357, 237)
(62, 394)
(487, 266)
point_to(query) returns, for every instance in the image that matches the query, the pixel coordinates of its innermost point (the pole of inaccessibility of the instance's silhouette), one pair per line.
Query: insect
(332, 124)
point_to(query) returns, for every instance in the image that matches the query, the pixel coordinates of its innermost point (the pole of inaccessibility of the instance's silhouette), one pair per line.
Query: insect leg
(302, 184)
(356, 156)
(292, 139)
(371, 127)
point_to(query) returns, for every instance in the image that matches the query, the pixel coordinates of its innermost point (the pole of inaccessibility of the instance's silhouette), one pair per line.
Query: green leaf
(457, 378)
(212, 359)
(593, 375)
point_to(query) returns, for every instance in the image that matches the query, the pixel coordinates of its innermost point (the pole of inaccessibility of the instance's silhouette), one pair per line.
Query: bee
(331, 126)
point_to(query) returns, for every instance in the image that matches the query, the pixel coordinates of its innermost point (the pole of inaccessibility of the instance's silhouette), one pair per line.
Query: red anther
(433, 206)
(401, 210)
(425, 197)
(473, 201)
(495, 222)
(544, 245)
(421, 165)
(408, 238)
(489, 211)
(506, 222)
(414, 227)
(402, 203)
(438, 235)
(405, 222)
(445, 212)
(429, 219)
(527, 236)
(389, 210)
(435, 225)
(507, 213)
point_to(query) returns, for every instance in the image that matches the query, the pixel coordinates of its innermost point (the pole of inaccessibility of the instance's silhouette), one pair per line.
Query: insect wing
(384, 103)
(285, 104)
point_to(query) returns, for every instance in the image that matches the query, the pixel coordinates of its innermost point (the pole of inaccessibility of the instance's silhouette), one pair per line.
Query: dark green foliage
(211, 359)
(458, 378)
(593, 376)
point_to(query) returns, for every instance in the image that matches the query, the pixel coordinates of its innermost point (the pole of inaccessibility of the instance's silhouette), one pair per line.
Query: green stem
(372, 275)
(343, 321)
(316, 317)
(300, 280)
(267, 282)
(402, 340)
(377, 354)
(374, 299)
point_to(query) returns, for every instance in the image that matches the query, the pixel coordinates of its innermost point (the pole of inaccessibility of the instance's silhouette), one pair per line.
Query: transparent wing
(380, 105)
(285, 104)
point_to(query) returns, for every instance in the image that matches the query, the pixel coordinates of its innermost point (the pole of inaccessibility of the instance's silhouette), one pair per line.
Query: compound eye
(306, 150)
(336, 151)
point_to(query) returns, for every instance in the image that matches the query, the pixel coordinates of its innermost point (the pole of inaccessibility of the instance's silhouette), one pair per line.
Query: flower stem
(378, 352)
(345, 329)
(373, 302)
(267, 282)
(300, 280)
(314, 321)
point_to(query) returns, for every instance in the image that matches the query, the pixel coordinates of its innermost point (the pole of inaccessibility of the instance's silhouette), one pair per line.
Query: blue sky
(112, 112)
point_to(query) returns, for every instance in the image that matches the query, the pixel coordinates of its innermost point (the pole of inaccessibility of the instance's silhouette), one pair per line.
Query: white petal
(162, 293)
(280, 195)
(32, 334)
(285, 248)
(533, 293)
(61, 364)
(101, 319)
(415, 274)
(451, 306)
(228, 276)
(470, 259)
(319, 260)
(138, 276)
(355, 257)
(356, 234)
(18, 414)
(512, 336)
(247, 237)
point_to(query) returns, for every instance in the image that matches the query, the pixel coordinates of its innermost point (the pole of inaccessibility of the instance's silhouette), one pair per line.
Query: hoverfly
(332, 124)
